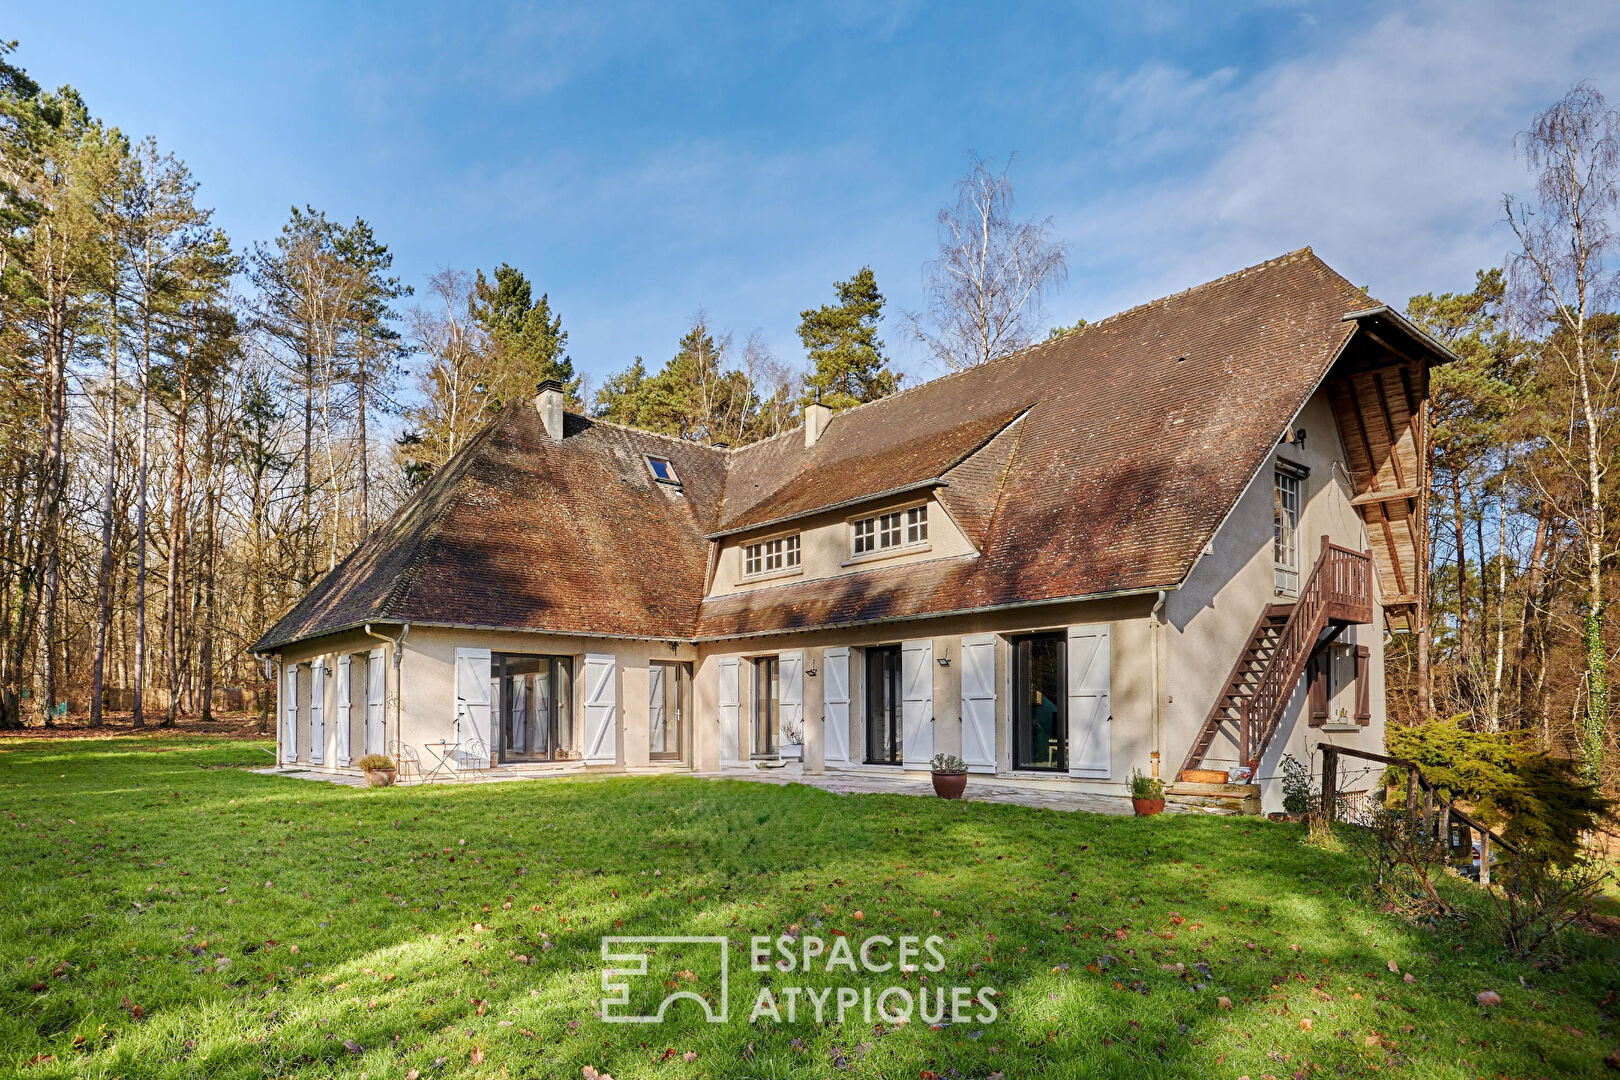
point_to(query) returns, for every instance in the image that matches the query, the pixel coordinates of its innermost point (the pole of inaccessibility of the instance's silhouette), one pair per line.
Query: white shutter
(790, 702)
(979, 703)
(472, 707)
(657, 736)
(375, 676)
(917, 703)
(730, 704)
(1090, 709)
(835, 666)
(317, 710)
(601, 709)
(343, 709)
(289, 739)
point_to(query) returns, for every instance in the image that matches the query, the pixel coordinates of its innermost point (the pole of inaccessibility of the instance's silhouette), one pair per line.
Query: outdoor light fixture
(810, 672)
(944, 660)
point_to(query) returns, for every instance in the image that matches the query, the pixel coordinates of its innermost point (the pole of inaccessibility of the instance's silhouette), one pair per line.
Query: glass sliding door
(535, 698)
(1040, 701)
(669, 696)
(883, 720)
(767, 706)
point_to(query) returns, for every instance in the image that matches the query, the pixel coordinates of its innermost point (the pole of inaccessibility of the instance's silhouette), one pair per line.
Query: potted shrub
(950, 776)
(1147, 794)
(379, 770)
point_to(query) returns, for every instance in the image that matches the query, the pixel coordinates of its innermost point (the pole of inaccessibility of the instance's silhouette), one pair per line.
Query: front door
(534, 696)
(1040, 718)
(767, 706)
(884, 722)
(669, 696)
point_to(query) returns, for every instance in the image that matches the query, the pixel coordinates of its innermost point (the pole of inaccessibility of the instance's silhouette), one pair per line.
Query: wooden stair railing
(1338, 591)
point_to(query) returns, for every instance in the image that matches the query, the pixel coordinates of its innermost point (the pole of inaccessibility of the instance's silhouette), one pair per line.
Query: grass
(172, 915)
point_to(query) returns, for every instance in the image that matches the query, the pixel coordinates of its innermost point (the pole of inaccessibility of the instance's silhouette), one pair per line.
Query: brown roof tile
(1133, 438)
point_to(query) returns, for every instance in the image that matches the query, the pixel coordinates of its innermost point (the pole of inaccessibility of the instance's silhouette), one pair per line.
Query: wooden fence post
(1484, 857)
(1330, 781)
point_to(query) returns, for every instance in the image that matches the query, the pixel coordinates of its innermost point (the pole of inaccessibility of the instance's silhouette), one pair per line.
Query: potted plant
(1147, 794)
(379, 770)
(950, 776)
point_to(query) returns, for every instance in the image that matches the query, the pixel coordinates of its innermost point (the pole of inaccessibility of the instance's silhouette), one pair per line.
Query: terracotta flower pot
(1147, 807)
(380, 777)
(949, 785)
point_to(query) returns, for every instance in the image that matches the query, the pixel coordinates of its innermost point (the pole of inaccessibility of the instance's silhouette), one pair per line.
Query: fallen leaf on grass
(353, 1047)
(477, 1056)
(1488, 997)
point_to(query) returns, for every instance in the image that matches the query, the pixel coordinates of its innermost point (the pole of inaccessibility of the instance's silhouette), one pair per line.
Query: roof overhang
(1384, 321)
(890, 493)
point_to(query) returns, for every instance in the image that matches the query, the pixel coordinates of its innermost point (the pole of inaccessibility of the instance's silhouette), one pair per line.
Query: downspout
(1155, 621)
(397, 648)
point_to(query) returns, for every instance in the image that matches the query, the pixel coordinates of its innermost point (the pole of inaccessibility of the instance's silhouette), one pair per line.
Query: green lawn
(171, 915)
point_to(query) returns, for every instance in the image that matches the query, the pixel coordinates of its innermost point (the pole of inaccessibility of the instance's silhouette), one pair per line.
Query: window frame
(1287, 485)
(876, 529)
(673, 479)
(792, 547)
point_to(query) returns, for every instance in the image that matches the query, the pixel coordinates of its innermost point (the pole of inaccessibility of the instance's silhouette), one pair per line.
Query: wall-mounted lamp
(1295, 438)
(944, 659)
(810, 672)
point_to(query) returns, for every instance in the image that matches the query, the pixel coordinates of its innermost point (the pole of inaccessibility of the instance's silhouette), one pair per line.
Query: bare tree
(986, 288)
(1560, 280)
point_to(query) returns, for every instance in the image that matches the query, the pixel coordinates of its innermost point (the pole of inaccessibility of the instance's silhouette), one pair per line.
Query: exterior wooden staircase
(1250, 706)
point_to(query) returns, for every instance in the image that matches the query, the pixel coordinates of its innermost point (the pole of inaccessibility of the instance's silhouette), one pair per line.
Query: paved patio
(1044, 794)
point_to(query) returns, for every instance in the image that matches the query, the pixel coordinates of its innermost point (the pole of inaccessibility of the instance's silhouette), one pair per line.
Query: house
(1175, 541)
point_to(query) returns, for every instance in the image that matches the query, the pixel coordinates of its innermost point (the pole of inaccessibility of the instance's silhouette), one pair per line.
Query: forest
(195, 427)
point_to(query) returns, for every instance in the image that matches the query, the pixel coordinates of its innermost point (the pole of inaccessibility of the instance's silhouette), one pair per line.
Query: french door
(767, 706)
(669, 696)
(1040, 719)
(884, 722)
(535, 698)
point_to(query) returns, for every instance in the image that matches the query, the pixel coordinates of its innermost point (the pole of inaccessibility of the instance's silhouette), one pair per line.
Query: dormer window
(777, 555)
(891, 531)
(663, 470)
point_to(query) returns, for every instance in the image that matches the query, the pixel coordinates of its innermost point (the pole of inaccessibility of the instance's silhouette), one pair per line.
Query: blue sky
(643, 161)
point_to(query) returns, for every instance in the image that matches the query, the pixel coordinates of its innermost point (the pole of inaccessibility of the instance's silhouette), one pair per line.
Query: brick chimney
(548, 402)
(816, 416)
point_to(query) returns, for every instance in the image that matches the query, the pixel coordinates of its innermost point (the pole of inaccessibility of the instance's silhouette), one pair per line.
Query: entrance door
(1040, 718)
(883, 706)
(767, 706)
(669, 696)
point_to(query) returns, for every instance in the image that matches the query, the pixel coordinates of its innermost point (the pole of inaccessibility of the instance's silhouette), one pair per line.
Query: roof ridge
(1267, 264)
(655, 434)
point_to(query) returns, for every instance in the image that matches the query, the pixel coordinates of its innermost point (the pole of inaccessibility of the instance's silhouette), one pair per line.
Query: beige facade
(1167, 657)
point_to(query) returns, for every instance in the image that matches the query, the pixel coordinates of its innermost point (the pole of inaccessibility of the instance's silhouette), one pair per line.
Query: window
(1285, 531)
(917, 524)
(886, 532)
(534, 696)
(663, 471)
(771, 556)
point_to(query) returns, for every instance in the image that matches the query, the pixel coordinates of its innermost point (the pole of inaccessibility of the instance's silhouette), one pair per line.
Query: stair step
(1213, 790)
(1203, 776)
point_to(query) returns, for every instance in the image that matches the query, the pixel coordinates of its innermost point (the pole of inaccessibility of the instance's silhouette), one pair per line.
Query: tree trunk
(109, 500)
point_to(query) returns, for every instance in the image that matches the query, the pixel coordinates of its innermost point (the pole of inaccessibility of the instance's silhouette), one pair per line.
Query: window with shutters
(765, 558)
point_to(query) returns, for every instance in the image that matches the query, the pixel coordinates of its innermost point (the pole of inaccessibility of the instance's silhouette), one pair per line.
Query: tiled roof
(1097, 462)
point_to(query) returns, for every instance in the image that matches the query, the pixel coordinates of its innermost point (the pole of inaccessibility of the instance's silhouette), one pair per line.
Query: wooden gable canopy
(1379, 390)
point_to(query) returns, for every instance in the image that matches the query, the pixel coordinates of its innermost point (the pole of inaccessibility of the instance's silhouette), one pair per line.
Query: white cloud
(1387, 151)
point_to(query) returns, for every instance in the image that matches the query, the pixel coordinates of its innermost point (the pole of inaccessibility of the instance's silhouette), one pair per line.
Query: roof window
(663, 470)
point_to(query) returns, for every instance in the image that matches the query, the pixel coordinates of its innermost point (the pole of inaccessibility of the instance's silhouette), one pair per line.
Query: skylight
(663, 471)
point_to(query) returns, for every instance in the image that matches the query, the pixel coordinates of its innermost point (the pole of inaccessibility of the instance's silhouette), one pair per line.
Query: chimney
(548, 402)
(816, 416)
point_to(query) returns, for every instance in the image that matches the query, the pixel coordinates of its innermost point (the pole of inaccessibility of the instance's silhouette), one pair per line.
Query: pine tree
(848, 365)
(526, 338)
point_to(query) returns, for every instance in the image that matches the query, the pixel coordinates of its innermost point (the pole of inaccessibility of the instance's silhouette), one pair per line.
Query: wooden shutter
(730, 705)
(376, 676)
(289, 739)
(472, 708)
(979, 703)
(1091, 743)
(317, 710)
(601, 709)
(343, 709)
(1363, 685)
(835, 666)
(1317, 673)
(520, 713)
(790, 704)
(917, 703)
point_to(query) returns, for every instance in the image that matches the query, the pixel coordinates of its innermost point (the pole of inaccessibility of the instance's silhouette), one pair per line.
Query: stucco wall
(1209, 619)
